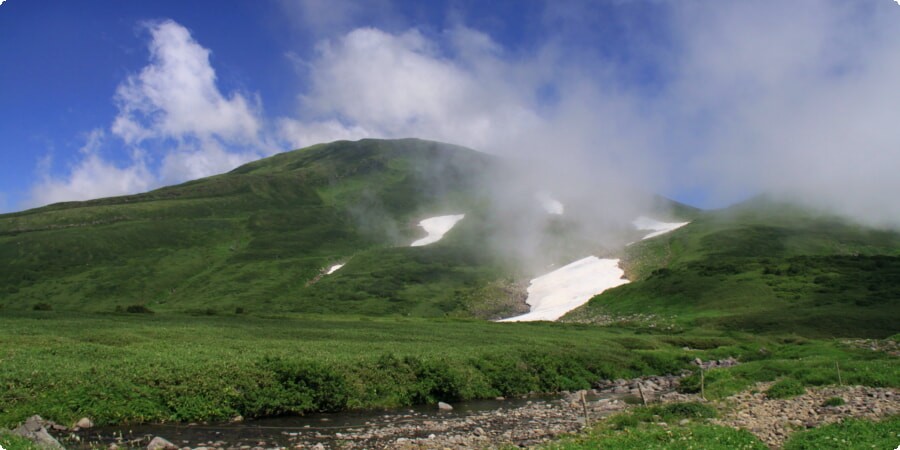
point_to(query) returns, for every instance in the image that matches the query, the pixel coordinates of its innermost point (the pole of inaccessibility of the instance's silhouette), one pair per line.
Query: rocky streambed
(493, 423)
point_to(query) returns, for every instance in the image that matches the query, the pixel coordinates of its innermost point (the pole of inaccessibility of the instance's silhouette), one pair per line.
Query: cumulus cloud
(299, 133)
(465, 89)
(175, 96)
(401, 85)
(91, 177)
(174, 121)
(797, 98)
(794, 98)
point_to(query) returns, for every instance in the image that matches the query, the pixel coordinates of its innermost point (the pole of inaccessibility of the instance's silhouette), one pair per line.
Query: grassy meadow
(762, 267)
(118, 368)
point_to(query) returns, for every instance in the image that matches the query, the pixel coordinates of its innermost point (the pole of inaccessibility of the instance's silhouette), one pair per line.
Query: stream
(478, 423)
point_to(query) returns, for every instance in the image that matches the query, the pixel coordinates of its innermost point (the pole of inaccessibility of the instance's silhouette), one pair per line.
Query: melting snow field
(556, 293)
(436, 227)
(334, 269)
(657, 227)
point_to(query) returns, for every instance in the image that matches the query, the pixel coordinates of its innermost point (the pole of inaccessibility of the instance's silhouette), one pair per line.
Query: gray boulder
(35, 429)
(159, 443)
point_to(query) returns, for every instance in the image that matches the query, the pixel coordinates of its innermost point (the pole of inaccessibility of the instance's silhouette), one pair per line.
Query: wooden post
(702, 384)
(587, 419)
(838, 367)
(641, 390)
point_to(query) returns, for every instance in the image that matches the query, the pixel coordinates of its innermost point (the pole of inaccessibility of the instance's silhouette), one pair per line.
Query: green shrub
(138, 309)
(852, 433)
(785, 388)
(834, 401)
(43, 307)
(13, 442)
(690, 410)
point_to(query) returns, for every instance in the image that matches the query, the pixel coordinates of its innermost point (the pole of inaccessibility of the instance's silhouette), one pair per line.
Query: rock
(237, 419)
(318, 446)
(112, 446)
(84, 423)
(444, 406)
(684, 422)
(159, 443)
(34, 430)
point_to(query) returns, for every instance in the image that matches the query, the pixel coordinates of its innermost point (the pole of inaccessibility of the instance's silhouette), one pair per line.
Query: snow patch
(657, 227)
(556, 293)
(550, 204)
(436, 227)
(334, 269)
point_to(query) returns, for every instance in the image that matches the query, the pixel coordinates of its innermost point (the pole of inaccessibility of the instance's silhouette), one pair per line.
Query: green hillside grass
(254, 238)
(119, 368)
(763, 267)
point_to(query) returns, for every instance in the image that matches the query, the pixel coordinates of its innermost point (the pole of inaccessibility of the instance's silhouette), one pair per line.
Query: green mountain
(761, 266)
(257, 237)
(261, 238)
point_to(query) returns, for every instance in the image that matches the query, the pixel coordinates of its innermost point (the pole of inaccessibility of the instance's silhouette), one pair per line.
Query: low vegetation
(117, 368)
(852, 433)
(671, 426)
(761, 267)
(785, 389)
(10, 441)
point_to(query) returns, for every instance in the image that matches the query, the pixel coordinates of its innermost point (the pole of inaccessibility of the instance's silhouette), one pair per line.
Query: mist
(796, 100)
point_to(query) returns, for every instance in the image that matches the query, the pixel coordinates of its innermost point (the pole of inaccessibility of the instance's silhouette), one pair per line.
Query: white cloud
(91, 177)
(299, 134)
(175, 96)
(191, 164)
(798, 99)
(464, 88)
(393, 85)
(793, 97)
(174, 106)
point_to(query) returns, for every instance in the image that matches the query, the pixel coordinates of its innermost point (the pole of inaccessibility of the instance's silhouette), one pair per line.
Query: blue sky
(706, 102)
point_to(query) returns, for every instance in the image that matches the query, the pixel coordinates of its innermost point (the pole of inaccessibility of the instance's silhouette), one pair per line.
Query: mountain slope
(762, 266)
(251, 238)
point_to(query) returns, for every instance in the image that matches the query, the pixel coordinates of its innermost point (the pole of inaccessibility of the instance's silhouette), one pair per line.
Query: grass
(255, 238)
(12, 442)
(850, 434)
(785, 389)
(794, 361)
(118, 368)
(764, 268)
(659, 427)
